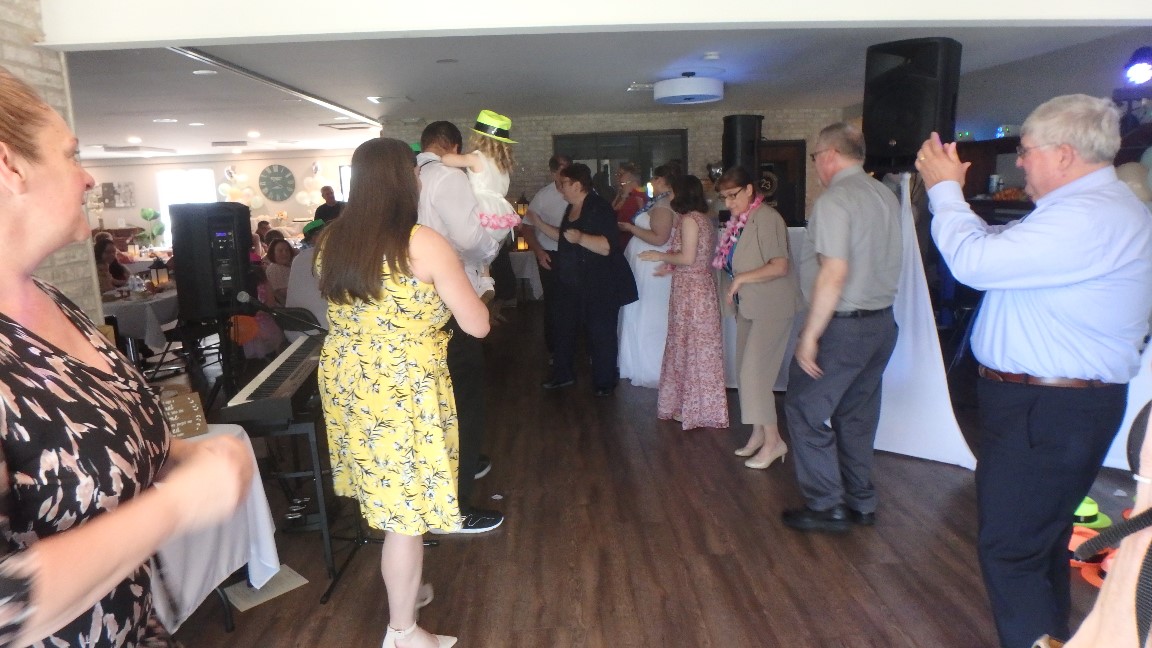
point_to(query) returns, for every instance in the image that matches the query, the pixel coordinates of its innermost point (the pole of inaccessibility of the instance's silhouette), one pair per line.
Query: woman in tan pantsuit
(754, 251)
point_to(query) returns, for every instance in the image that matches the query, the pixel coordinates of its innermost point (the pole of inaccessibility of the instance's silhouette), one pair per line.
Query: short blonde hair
(22, 114)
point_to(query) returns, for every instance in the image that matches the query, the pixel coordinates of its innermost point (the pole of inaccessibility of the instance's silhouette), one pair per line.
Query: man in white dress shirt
(550, 206)
(1068, 290)
(448, 206)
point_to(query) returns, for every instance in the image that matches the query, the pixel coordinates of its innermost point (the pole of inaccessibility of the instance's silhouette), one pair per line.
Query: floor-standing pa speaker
(210, 242)
(909, 92)
(741, 143)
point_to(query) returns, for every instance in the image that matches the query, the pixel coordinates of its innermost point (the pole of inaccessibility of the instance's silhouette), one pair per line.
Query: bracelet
(1141, 478)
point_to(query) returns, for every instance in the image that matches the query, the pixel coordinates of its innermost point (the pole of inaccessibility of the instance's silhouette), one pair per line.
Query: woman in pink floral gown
(692, 376)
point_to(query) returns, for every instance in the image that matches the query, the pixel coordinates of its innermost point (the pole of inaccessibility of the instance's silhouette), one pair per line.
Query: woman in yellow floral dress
(388, 406)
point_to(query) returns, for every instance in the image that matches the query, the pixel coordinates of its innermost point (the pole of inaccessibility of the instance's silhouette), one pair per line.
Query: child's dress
(497, 215)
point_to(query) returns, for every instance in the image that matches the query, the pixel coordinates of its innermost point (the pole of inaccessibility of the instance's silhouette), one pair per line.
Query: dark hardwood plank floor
(623, 530)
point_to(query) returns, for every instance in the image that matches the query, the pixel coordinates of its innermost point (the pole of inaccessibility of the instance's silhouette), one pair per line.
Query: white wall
(143, 174)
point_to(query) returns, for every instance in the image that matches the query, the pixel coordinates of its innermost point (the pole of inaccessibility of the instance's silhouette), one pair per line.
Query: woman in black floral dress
(82, 440)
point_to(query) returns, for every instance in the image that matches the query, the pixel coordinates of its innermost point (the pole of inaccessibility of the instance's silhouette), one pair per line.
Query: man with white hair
(1068, 290)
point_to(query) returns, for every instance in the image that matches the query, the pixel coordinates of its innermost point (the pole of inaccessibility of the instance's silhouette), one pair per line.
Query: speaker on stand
(740, 147)
(211, 242)
(910, 90)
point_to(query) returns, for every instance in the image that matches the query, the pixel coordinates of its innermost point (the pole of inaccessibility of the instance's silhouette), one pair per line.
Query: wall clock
(277, 182)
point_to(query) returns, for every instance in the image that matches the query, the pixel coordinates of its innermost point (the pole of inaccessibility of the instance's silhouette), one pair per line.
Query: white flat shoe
(394, 634)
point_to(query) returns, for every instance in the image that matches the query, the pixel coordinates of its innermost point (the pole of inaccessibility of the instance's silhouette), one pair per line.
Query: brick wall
(72, 269)
(705, 131)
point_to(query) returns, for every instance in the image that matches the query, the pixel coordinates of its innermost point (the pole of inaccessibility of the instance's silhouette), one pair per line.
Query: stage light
(1139, 68)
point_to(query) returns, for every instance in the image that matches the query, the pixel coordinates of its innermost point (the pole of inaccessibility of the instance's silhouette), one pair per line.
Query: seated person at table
(277, 266)
(108, 270)
(122, 257)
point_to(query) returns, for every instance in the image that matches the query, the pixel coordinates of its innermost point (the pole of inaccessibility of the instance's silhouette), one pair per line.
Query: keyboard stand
(315, 472)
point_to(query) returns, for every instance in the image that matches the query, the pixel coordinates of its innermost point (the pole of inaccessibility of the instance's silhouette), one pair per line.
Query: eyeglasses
(731, 195)
(1023, 151)
(812, 155)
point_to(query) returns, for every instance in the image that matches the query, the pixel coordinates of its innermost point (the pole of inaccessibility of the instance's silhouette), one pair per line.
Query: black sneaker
(476, 521)
(483, 466)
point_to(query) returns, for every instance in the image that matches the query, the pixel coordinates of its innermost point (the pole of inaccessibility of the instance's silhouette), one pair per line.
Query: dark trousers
(1040, 451)
(466, 366)
(834, 464)
(547, 285)
(582, 308)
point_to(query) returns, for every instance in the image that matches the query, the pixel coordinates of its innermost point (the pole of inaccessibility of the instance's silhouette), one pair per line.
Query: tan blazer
(765, 237)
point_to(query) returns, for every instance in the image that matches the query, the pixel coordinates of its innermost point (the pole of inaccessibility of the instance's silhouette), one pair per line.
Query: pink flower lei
(732, 233)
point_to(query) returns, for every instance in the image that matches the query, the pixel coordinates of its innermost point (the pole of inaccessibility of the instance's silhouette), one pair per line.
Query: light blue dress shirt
(1068, 287)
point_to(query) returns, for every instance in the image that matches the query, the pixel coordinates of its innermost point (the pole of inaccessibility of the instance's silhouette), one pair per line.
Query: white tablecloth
(142, 319)
(195, 564)
(524, 267)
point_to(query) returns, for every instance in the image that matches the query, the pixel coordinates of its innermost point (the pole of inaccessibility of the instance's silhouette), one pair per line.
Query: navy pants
(585, 308)
(1040, 450)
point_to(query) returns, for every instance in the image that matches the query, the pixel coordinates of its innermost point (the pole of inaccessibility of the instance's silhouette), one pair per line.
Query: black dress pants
(1040, 450)
(466, 367)
(596, 313)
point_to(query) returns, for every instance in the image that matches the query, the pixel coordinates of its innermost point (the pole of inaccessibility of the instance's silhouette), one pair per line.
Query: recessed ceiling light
(235, 151)
(254, 134)
(448, 60)
(374, 100)
(133, 139)
(340, 118)
(165, 120)
(637, 86)
(195, 123)
(203, 72)
(711, 56)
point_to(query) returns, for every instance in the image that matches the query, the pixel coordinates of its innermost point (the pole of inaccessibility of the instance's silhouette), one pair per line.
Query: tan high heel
(394, 635)
(780, 452)
(747, 451)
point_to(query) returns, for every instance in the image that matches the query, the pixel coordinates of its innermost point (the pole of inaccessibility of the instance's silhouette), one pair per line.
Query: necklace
(732, 234)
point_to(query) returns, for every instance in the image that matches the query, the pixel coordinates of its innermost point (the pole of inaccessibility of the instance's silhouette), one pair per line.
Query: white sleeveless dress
(490, 185)
(644, 322)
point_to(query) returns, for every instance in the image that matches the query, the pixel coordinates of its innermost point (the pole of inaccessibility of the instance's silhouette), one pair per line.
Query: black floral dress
(75, 441)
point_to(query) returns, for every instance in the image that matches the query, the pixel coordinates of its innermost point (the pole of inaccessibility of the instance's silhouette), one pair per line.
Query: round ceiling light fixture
(688, 89)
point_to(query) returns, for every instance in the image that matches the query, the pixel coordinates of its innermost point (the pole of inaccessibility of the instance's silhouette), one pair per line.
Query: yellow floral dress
(389, 409)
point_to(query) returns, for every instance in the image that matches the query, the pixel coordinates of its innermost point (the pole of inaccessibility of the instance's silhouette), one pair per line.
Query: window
(182, 186)
(603, 153)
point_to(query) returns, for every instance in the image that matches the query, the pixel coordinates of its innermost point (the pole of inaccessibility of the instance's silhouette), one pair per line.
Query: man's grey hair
(1090, 125)
(844, 138)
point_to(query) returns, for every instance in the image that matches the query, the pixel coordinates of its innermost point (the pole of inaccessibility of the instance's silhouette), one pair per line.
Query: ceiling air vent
(347, 126)
(231, 143)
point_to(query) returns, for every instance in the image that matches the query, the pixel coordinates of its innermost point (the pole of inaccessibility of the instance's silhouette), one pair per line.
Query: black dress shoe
(834, 520)
(604, 391)
(557, 384)
(861, 518)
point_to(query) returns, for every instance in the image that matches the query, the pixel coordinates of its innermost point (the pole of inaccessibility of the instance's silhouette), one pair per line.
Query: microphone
(280, 315)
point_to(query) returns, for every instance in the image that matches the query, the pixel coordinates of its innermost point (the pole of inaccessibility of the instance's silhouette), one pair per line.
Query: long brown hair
(375, 226)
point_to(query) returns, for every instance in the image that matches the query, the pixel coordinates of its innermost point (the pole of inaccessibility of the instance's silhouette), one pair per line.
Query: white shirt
(304, 289)
(549, 203)
(448, 206)
(1069, 287)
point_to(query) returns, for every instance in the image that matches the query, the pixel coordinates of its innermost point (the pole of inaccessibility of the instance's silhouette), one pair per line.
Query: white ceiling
(118, 93)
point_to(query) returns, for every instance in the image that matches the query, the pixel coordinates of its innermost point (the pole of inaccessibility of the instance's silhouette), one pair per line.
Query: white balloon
(302, 197)
(316, 168)
(1135, 175)
(257, 202)
(224, 189)
(315, 198)
(241, 178)
(310, 184)
(229, 172)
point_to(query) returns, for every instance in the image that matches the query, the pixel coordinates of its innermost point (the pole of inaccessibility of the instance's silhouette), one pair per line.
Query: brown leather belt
(1025, 379)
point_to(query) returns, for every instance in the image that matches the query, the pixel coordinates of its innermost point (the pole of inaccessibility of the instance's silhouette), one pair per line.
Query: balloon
(1135, 175)
(302, 197)
(229, 172)
(315, 198)
(248, 193)
(310, 184)
(241, 178)
(257, 202)
(224, 189)
(236, 195)
(316, 168)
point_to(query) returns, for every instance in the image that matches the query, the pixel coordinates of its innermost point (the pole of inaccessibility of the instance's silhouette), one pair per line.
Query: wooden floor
(623, 530)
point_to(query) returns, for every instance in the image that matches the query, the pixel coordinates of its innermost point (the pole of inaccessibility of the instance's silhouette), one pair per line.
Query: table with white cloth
(194, 565)
(525, 268)
(143, 319)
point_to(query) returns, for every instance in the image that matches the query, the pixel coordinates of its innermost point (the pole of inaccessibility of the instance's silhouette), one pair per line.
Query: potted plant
(153, 227)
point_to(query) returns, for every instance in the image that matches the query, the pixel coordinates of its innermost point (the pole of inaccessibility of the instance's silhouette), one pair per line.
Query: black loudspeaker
(741, 143)
(210, 242)
(909, 91)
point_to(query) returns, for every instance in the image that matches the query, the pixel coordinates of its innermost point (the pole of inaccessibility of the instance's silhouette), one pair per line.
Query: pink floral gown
(692, 376)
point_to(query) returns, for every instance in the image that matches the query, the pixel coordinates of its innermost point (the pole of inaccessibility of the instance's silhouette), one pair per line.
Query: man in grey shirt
(847, 338)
